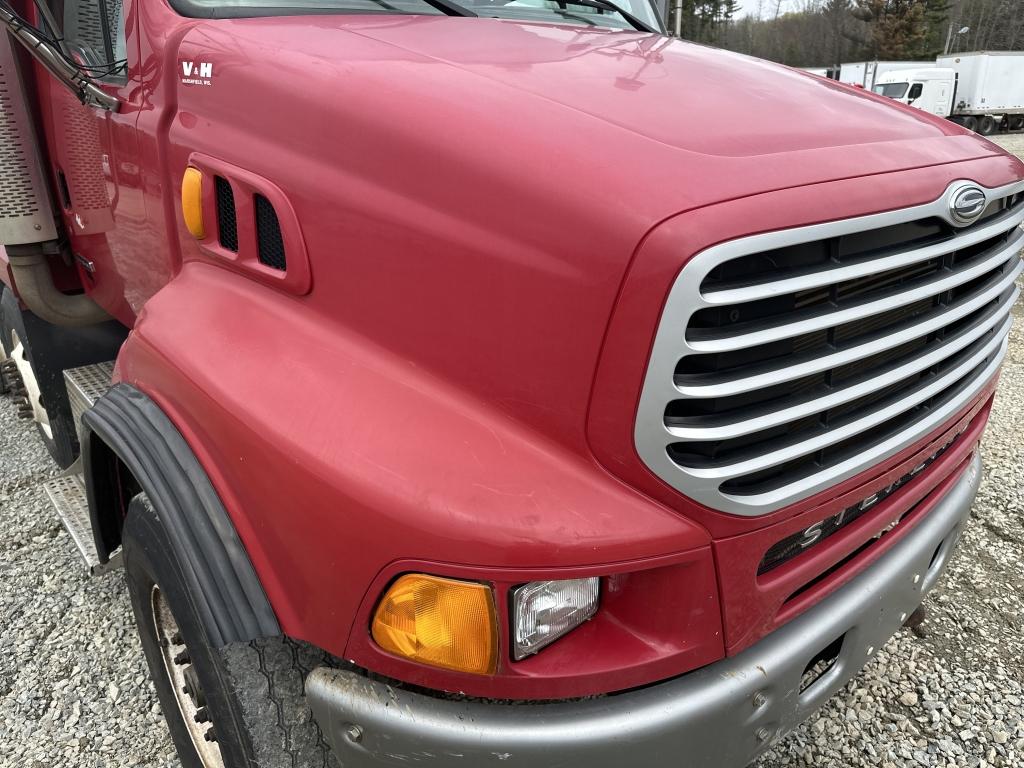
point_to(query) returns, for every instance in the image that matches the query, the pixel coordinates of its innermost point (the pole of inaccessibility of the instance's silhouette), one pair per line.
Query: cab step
(68, 496)
(85, 386)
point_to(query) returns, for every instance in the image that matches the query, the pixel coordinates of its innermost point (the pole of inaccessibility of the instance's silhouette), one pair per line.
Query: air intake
(227, 217)
(268, 235)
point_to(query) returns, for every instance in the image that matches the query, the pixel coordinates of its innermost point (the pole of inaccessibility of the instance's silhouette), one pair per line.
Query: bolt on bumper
(724, 714)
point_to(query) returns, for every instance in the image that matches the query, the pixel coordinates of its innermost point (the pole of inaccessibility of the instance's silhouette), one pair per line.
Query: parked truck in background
(930, 90)
(832, 73)
(865, 74)
(981, 91)
(451, 392)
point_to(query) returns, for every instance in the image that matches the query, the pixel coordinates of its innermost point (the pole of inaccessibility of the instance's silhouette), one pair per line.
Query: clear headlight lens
(544, 611)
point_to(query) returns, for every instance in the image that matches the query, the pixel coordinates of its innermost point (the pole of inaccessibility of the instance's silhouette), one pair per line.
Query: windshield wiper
(454, 9)
(609, 5)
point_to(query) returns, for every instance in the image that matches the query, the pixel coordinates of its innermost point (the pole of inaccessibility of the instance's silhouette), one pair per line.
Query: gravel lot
(1014, 143)
(74, 687)
(75, 691)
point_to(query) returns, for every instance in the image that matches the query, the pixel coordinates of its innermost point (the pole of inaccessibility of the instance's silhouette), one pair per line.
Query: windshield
(892, 90)
(523, 10)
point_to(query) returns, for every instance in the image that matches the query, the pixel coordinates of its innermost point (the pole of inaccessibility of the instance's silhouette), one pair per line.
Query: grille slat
(726, 341)
(712, 385)
(787, 362)
(780, 453)
(867, 267)
(796, 408)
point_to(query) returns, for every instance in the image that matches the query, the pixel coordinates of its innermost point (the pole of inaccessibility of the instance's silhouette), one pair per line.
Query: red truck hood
(635, 109)
(685, 96)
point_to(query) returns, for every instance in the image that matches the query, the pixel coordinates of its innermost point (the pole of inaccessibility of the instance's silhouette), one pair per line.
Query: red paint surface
(493, 213)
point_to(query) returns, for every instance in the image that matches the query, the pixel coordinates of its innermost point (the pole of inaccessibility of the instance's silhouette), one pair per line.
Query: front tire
(241, 706)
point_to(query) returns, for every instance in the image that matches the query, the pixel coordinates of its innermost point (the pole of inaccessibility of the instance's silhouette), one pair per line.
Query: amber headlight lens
(192, 202)
(544, 611)
(441, 622)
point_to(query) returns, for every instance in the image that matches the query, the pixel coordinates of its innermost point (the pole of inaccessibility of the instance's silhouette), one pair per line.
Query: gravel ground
(1014, 143)
(74, 687)
(75, 691)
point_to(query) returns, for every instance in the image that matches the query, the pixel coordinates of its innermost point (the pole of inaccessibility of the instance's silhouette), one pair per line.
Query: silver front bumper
(722, 715)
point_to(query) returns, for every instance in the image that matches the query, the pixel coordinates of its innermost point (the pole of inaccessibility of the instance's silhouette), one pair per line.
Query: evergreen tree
(936, 16)
(897, 27)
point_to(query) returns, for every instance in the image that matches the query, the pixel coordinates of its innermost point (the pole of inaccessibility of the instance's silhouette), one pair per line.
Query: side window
(95, 31)
(915, 91)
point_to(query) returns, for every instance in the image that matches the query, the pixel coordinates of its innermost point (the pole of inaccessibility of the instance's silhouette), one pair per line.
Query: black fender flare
(126, 426)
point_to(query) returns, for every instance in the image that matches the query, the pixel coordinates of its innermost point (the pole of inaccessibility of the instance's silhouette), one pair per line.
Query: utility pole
(950, 36)
(679, 18)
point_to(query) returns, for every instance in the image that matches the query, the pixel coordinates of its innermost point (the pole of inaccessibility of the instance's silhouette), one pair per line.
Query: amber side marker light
(440, 622)
(192, 202)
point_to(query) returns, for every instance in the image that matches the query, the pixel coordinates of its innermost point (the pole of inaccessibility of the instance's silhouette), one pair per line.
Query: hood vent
(268, 235)
(227, 217)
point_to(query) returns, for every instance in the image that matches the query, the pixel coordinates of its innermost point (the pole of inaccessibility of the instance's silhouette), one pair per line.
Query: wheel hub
(188, 691)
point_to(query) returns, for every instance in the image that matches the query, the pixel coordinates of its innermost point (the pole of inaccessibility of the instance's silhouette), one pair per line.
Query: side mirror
(51, 57)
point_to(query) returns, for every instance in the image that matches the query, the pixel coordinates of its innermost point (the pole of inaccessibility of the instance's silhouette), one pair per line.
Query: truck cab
(447, 388)
(931, 90)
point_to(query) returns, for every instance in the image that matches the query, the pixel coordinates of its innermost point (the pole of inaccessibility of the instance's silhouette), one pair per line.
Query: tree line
(827, 32)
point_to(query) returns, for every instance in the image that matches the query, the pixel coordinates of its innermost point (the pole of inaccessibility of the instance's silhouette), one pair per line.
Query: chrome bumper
(722, 715)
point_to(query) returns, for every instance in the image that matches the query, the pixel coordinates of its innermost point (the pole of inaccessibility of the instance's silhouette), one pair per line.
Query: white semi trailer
(866, 73)
(983, 91)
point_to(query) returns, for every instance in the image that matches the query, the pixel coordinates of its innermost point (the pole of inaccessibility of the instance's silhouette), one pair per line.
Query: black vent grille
(268, 235)
(227, 217)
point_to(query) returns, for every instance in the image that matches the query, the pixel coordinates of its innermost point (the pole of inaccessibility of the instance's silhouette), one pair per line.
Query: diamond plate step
(68, 496)
(85, 386)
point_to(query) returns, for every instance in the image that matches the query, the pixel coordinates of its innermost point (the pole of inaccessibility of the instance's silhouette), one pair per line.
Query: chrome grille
(787, 362)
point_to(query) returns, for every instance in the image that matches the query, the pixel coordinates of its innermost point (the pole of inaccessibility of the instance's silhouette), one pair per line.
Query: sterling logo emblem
(966, 204)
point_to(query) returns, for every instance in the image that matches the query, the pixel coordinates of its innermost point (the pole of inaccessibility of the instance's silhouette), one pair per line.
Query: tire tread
(268, 676)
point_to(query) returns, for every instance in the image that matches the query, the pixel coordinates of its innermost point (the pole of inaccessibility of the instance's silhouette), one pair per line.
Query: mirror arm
(50, 57)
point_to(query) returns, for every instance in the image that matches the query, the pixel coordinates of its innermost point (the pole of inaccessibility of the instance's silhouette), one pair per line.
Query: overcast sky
(749, 7)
